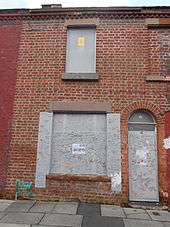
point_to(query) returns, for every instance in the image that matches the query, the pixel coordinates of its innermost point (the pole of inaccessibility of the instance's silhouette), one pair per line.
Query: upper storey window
(81, 50)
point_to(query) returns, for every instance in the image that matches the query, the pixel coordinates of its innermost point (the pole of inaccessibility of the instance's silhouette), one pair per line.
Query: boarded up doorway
(143, 170)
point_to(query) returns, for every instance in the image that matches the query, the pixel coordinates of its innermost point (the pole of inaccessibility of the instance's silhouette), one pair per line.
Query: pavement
(26, 213)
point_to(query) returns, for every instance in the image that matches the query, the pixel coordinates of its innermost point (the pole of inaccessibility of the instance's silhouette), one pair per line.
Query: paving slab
(42, 207)
(159, 215)
(20, 206)
(112, 211)
(4, 204)
(142, 223)
(89, 209)
(166, 224)
(48, 226)
(7, 201)
(65, 208)
(133, 211)
(22, 218)
(98, 221)
(13, 225)
(62, 220)
(136, 213)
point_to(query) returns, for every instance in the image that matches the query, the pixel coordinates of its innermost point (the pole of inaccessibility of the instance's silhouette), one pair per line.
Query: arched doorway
(143, 167)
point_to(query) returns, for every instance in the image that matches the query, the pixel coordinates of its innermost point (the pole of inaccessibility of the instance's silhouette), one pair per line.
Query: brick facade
(127, 51)
(167, 128)
(9, 48)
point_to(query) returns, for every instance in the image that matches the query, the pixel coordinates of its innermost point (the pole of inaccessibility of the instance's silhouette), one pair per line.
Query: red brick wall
(165, 50)
(84, 188)
(9, 46)
(126, 52)
(167, 128)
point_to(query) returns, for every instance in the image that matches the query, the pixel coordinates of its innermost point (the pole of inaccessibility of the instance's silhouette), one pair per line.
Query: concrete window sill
(81, 76)
(158, 79)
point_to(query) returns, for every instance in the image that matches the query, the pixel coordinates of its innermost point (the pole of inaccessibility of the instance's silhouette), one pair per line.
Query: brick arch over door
(156, 111)
(158, 115)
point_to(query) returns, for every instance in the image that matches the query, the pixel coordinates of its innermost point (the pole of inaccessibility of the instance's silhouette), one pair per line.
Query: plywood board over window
(81, 50)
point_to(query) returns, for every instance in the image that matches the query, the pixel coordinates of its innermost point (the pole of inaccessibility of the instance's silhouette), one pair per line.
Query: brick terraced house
(84, 102)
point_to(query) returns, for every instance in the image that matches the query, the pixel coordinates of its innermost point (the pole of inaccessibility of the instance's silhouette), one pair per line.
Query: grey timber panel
(143, 179)
(141, 116)
(44, 149)
(81, 50)
(79, 144)
(114, 150)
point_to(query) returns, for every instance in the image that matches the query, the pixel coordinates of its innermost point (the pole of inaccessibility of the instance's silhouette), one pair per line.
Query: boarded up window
(81, 50)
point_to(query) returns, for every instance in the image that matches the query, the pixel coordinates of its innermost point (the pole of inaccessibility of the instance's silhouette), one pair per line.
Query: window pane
(81, 51)
(141, 117)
